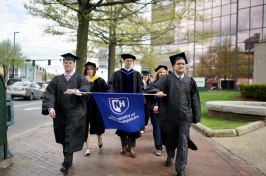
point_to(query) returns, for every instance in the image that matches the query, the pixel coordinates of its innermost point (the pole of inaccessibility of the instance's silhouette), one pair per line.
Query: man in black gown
(178, 110)
(67, 109)
(127, 80)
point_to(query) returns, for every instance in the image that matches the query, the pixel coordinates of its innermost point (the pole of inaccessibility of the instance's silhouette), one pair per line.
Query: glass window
(225, 25)
(216, 3)
(199, 5)
(244, 3)
(243, 19)
(243, 36)
(226, 10)
(256, 35)
(207, 25)
(199, 26)
(217, 11)
(233, 24)
(216, 24)
(233, 40)
(207, 13)
(233, 8)
(264, 23)
(264, 34)
(234, 1)
(207, 4)
(256, 2)
(225, 2)
(256, 17)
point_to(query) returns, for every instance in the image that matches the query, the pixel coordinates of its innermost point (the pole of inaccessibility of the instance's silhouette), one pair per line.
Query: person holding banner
(67, 109)
(94, 121)
(179, 108)
(161, 70)
(127, 80)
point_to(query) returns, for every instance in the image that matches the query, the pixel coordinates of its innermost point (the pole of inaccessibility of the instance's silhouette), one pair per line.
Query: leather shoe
(64, 169)
(124, 150)
(100, 142)
(168, 162)
(181, 173)
(132, 152)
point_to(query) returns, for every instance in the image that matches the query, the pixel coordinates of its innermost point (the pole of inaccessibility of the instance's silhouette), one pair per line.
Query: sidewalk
(36, 153)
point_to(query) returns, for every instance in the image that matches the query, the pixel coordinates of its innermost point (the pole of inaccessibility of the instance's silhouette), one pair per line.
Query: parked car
(28, 90)
(12, 81)
(45, 84)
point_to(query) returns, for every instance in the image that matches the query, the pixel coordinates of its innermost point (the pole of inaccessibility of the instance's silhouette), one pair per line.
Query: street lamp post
(13, 70)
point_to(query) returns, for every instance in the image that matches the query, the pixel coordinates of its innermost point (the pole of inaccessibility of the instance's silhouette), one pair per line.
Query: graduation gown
(70, 122)
(94, 117)
(180, 106)
(123, 81)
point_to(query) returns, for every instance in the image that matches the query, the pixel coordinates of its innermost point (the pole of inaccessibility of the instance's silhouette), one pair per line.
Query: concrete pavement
(36, 153)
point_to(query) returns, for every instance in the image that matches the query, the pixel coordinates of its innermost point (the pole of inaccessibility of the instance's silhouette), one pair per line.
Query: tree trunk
(82, 40)
(112, 62)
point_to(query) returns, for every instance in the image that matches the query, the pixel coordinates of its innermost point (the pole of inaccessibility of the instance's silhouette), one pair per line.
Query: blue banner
(124, 111)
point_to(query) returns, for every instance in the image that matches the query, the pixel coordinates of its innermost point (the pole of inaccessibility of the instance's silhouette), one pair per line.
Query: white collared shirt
(180, 76)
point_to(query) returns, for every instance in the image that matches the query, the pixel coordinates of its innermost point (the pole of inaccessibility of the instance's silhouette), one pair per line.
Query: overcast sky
(34, 43)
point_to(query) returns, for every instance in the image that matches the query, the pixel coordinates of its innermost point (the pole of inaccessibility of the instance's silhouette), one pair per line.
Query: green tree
(10, 55)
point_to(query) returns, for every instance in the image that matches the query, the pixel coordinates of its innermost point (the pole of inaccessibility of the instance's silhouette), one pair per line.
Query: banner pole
(103, 92)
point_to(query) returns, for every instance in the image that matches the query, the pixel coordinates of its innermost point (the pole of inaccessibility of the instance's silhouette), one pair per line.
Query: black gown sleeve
(195, 102)
(112, 84)
(49, 98)
(84, 86)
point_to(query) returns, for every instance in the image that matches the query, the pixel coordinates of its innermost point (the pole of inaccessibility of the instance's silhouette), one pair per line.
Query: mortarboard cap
(92, 64)
(70, 57)
(128, 56)
(176, 57)
(161, 66)
(145, 73)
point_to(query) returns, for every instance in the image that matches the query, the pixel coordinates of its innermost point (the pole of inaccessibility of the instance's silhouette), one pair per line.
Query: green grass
(216, 123)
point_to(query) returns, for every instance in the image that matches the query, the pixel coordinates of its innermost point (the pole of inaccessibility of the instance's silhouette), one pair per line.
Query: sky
(34, 43)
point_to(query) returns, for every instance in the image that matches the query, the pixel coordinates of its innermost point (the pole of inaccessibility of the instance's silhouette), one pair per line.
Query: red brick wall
(233, 116)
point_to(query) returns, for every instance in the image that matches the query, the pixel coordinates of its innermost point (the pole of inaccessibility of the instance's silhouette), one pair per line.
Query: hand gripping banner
(124, 111)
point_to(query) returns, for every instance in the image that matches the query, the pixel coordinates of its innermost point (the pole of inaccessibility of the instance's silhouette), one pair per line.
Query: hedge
(253, 91)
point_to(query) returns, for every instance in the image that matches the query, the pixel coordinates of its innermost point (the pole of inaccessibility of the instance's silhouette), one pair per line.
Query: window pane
(244, 3)
(243, 36)
(233, 40)
(207, 4)
(256, 17)
(226, 10)
(217, 11)
(199, 5)
(234, 1)
(199, 26)
(216, 24)
(216, 3)
(207, 25)
(225, 2)
(233, 24)
(264, 23)
(264, 34)
(233, 8)
(207, 13)
(256, 2)
(243, 19)
(226, 24)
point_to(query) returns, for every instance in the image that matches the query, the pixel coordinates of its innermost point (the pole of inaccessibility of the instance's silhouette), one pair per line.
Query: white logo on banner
(119, 105)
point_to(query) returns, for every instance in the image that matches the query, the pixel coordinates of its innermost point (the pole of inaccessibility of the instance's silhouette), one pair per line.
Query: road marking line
(28, 109)
(25, 105)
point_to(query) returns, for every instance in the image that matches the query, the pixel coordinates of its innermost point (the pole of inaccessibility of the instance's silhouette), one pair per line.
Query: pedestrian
(146, 84)
(179, 108)
(127, 80)
(68, 109)
(161, 70)
(94, 121)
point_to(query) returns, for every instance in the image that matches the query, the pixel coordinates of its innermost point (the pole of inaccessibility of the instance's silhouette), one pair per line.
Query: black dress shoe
(168, 162)
(64, 169)
(182, 173)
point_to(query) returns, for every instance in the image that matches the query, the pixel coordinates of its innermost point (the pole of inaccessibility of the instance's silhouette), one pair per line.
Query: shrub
(253, 90)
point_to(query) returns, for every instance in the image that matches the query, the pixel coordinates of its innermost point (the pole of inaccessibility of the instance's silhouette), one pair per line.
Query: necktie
(68, 77)
(180, 78)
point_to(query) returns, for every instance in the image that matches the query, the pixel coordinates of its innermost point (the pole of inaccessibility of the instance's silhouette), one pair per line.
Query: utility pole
(13, 70)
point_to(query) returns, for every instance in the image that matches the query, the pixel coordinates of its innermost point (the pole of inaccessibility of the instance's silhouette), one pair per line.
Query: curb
(228, 132)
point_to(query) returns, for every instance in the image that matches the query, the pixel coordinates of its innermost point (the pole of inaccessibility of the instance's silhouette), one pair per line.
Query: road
(27, 116)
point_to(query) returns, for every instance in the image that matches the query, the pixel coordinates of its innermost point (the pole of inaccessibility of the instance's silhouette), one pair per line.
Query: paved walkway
(36, 153)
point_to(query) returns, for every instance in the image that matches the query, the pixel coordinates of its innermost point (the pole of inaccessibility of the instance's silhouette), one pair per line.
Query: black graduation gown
(94, 117)
(119, 82)
(180, 106)
(70, 121)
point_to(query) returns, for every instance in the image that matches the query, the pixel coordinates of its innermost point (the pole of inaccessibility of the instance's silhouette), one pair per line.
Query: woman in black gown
(94, 122)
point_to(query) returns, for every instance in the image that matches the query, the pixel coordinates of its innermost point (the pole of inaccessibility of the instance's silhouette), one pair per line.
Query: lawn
(216, 123)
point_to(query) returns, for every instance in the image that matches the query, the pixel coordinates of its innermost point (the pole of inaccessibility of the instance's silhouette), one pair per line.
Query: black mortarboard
(92, 64)
(128, 56)
(161, 66)
(176, 57)
(69, 56)
(145, 73)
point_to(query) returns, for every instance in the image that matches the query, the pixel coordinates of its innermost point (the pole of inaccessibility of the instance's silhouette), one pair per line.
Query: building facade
(226, 58)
